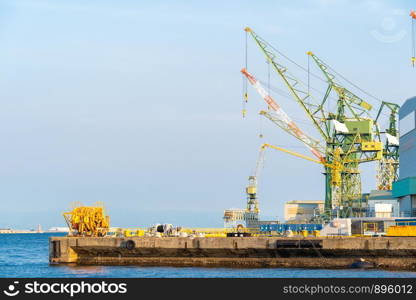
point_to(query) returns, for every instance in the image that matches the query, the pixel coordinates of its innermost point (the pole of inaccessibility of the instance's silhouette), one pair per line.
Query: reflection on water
(17, 259)
(185, 272)
(82, 271)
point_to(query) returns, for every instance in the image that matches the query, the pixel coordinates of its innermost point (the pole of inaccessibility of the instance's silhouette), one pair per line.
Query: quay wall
(332, 252)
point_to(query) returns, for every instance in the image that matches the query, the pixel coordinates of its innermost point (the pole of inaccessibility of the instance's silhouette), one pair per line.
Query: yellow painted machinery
(401, 230)
(133, 232)
(88, 221)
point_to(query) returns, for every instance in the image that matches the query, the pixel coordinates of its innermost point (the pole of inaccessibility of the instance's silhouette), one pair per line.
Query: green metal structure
(388, 166)
(348, 132)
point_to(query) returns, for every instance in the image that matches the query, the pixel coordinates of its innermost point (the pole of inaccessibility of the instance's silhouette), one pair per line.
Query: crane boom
(281, 119)
(336, 167)
(295, 86)
(264, 146)
(315, 147)
(348, 97)
(260, 163)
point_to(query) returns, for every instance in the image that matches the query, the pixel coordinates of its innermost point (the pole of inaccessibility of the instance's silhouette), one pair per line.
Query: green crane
(347, 131)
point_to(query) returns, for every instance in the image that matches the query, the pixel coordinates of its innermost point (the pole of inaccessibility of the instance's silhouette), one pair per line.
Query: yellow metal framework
(87, 221)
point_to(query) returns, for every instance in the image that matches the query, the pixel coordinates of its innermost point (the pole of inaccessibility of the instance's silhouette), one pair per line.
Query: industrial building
(382, 204)
(234, 217)
(405, 188)
(303, 211)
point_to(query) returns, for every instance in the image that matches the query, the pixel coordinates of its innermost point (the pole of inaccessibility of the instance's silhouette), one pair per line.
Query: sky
(138, 103)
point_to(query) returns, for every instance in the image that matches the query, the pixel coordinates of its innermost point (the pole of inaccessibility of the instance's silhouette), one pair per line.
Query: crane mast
(362, 125)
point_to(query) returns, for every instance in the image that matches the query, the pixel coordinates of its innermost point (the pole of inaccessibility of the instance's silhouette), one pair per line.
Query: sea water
(26, 255)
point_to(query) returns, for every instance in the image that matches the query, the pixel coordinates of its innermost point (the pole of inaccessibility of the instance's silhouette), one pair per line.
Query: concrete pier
(395, 253)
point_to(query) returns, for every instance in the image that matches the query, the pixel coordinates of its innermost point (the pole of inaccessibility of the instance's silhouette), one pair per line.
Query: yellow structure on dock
(401, 231)
(402, 228)
(87, 220)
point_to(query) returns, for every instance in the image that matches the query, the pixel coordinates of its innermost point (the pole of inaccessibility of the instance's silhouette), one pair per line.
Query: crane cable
(413, 15)
(309, 75)
(245, 93)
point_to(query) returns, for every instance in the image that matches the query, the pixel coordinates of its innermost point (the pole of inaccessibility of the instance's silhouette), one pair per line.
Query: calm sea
(26, 255)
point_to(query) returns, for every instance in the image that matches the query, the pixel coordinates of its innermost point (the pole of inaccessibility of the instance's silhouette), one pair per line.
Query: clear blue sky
(138, 103)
